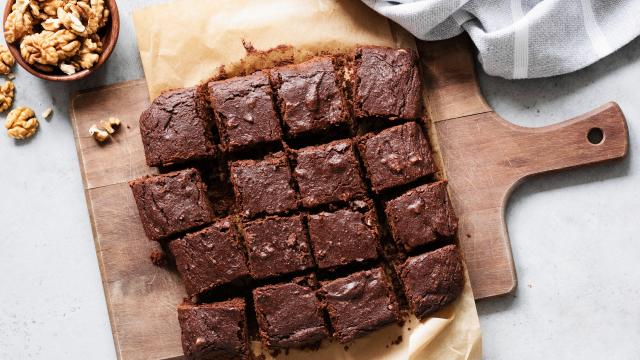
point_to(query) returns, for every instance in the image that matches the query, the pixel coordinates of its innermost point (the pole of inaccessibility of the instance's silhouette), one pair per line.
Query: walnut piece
(99, 134)
(71, 22)
(6, 95)
(47, 113)
(19, 22)
(89, 53)
(6, 60)
(104, 129)
(21, 123)
(48, 47)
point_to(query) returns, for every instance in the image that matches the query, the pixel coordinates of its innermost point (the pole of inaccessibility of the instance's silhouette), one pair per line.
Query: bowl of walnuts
(61, 40)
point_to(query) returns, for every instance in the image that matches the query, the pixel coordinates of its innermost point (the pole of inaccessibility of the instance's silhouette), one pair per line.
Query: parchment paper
(185, 42)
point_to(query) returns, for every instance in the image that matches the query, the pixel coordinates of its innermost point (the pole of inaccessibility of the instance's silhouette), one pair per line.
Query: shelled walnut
(57, 34)
(6, 95)
(6, 60)
(105, 128)
(21, 123)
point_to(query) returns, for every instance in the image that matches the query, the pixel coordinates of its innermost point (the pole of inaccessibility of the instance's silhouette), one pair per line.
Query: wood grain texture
(484, 158)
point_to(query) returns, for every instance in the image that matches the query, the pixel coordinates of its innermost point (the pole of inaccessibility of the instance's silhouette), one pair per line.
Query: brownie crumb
(158, 258)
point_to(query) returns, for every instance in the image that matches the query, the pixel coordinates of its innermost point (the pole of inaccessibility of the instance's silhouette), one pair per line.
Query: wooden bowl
(108, 35)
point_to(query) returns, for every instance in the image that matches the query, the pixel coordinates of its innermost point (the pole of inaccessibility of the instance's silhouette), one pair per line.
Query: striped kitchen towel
(519, 39)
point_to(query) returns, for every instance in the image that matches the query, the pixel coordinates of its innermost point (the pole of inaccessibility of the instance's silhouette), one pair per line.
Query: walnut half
(21, 123)
(6, 60)
(6, 95)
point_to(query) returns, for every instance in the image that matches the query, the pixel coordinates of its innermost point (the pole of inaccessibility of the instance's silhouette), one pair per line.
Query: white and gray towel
(519, 39)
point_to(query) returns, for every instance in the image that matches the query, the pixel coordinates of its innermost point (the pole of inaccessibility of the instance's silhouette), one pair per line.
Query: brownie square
(359, 303)
(421, 216)
(343, 237)
(396, 156)
(328, 173)
(244, 111)
(172, 203)
(277, 246)
(289, 315)
(210, 258)
(215, 331)
(309, 98)
(387, 83)
(432, 280)
(175, 129)
(264, 186)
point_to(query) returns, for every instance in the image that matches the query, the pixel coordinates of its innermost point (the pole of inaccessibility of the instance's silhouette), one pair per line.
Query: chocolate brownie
(264, 186)
(432, 280)
(175, 129)
(276, 246)
(359, 303)
(309, 98)
(244, 111)
(172, 203)
(421, 216)
(289, 315)
(215, 331)
(210, 258)
(328, 173)
(343, 237)
(387, 83)
(396, 156)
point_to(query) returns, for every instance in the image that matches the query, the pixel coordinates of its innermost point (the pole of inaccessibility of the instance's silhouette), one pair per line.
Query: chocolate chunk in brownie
(359, 303)
(210, 258)
(343, 237)
(387, 83)
(328, 173)
(396, 156)
(172, 203)
(276, 246)
(421, 216)
(289, 315)
(244, 111)
(263, 187)
(309, 98)
(432, 280)
(215, 331)
(175, 129)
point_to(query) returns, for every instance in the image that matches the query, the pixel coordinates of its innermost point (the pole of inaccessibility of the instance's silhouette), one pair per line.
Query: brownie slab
(175, 129)
(172, 203)
(421, 216)
(276, 246)
(387, 83)
(309, 98)
(328, 173)
(210, 258)
(289, 315)
(215, 331)
(264, 186)
(244, 111)
(343, 237)
(359, 303)
(432, 280)
(396, 156)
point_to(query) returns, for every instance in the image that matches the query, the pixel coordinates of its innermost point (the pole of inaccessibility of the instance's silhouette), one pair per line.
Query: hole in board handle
(595, 136)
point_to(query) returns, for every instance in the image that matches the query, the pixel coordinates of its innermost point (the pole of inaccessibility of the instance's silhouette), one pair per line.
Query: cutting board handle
(594, 137)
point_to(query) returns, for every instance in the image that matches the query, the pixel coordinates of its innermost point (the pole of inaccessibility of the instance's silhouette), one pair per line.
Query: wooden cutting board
(484, 158)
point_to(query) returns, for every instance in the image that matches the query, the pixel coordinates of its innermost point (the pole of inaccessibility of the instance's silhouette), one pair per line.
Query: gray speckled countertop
(575, 235)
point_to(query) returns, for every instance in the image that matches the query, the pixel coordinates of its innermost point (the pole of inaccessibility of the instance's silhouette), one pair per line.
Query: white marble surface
(575, 234)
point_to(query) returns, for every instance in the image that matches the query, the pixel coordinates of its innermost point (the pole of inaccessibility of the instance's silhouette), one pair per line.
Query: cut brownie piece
(215, 331)
(289, 315)
(360, 303)
(387, 83)
(172, 203)
(432, 280)
(396, 156)
(244, 111)
(210, 258)
(343, 237)
(328, 173)
(421, 216)
(309, 98)
(277, 246)
(175, 129)
(263, 187)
